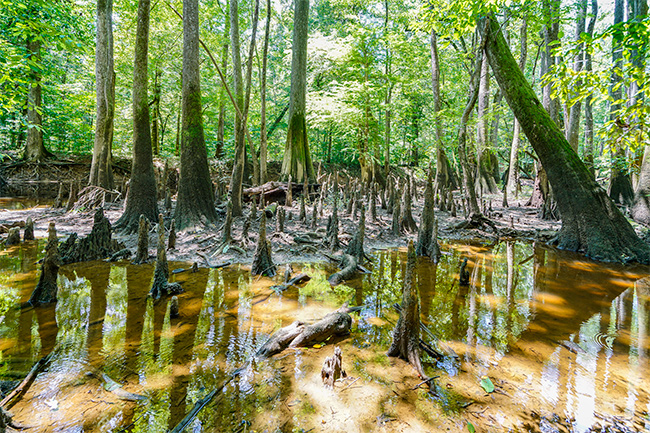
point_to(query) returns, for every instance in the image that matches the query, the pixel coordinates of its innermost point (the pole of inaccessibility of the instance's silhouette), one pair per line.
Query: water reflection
(565, 339)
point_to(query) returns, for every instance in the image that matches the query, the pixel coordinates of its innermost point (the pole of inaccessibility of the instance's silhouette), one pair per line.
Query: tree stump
(280, 221)
(406, 335)
(348, 265)
(262, 260)
(289, 196)
(46, 289)
(332, 368)
(395, 226)
(58, 203)
(171, 242)
(13, 236)
(161, 285)
(99, 243)
(28, 234)
(72, 197)
(355, 247)
(407, 223)
(303, 213)
(142, 252)
(332, 234)
(427, 244)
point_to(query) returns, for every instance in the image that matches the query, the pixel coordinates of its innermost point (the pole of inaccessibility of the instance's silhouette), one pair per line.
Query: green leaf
(470, 427)
(487, 384)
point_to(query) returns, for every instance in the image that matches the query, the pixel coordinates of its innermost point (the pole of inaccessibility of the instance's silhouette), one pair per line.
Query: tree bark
(155, 107)
(221, 123)
(141, 198)
(101, 171)
(572, 130)
(249, 74)
(486, 160)
(34, 147)
(265, 55)
(297, 158)
(591, 223)
(589, 114)
(620, 185)
(237, 177)
(512, 185)
(194, 204)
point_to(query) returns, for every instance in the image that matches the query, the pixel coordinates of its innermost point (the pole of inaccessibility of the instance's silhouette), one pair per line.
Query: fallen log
(22, 387)
(349, 266)
(299, 334)
(298, 279)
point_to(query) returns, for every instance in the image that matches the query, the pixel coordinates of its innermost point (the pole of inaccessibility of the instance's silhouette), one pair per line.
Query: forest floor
(300, 240)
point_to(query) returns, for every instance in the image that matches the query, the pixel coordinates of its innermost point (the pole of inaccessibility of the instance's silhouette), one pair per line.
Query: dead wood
(161, 285)
(477, 221)
(142, 252)
(406, 335)
(332, 368)
(355, 247)
(28, 234)
(98, 245)
(292, 282)
(46, 289)
(262, 260)
(299, 334)
(7, 402)
(348, 265)
(171, 242)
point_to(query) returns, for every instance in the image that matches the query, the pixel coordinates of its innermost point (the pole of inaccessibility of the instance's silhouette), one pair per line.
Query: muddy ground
(202, 244)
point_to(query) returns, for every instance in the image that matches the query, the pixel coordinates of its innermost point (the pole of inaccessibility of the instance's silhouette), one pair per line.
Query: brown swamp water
(564, 340)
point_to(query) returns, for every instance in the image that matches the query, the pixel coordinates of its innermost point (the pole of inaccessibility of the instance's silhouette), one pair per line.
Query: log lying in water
(299, 334)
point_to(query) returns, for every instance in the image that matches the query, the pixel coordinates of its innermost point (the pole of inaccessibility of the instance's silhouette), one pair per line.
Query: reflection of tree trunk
(182, 353)
(48, 328)
(510, 282)
(99, 282)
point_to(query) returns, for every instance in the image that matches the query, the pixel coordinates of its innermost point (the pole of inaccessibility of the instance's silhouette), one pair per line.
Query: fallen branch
(17, 391)
(298, 279)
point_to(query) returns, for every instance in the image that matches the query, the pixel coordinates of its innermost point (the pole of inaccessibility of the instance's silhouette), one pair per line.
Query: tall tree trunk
(249, 75)
(297, 159)
(591, 223)
(101, 172)
(141, 198)
(589, 113)
(468, 178)
(620, 185)
(195, 196)
(572, 130)
(34, 147)
(387, 98)
(512, 185)
(237, 177)
(485, 158)
(155, 107)
(641, 208)
(444, 177)
(265, 55)
(551, 12)
(221, 123)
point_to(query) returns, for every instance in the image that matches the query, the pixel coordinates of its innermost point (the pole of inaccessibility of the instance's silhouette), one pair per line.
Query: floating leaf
(470, 427)
(487, 384)
(317, 346)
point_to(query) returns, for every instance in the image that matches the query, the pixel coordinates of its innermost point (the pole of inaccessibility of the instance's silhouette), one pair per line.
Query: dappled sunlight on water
(564, 340)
